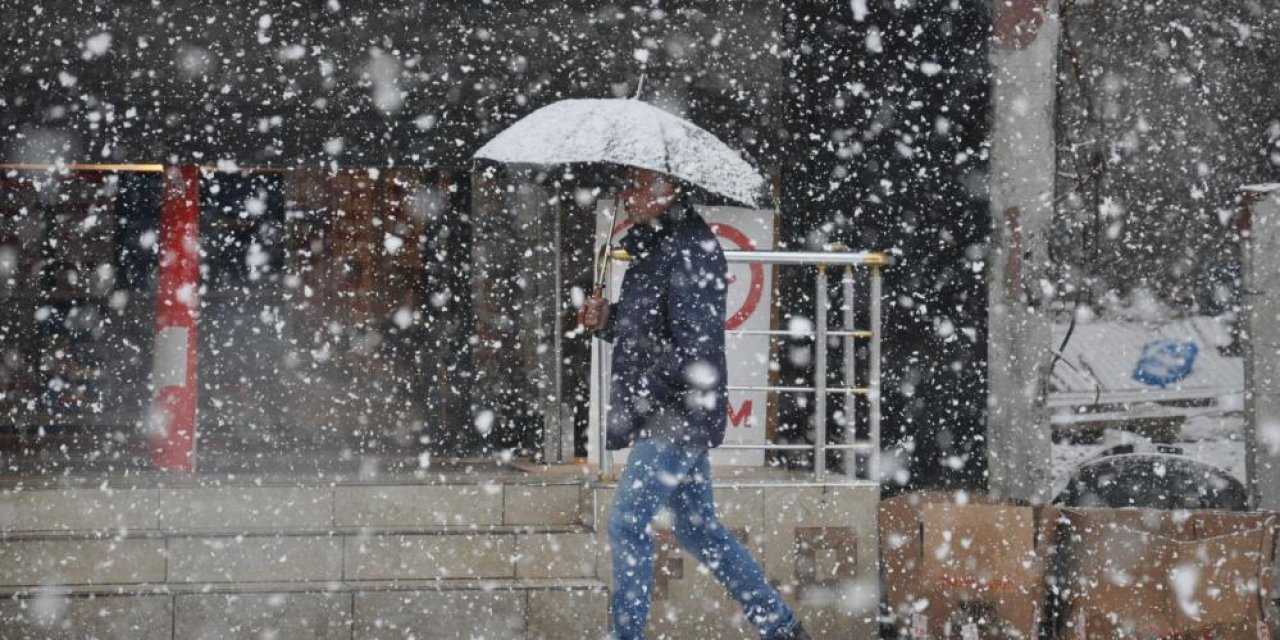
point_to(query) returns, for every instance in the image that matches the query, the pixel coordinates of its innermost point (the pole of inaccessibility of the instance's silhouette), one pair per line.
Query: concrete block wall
(550, 610)
(491, 557)
(502, 559)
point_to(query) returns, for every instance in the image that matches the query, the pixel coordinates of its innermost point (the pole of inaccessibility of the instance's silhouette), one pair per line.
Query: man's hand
(594, 313)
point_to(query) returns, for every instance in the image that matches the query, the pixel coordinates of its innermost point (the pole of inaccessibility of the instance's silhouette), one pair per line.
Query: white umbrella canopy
(631, 133)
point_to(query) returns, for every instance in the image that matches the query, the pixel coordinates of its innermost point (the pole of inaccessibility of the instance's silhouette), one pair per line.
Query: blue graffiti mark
(1164, 362)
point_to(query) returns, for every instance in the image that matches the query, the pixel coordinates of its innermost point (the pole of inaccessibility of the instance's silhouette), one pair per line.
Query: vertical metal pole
(820, 377)
(873, 378)
(850, 376)
(552, 452)
(602, 411)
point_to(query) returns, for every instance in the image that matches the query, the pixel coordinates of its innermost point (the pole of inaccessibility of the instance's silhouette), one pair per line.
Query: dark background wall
(405, 83)
(893, 107)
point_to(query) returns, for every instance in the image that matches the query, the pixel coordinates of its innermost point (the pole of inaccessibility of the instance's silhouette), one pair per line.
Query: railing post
(820, 377)
(873, 377)
(602, 411)
(850, 375)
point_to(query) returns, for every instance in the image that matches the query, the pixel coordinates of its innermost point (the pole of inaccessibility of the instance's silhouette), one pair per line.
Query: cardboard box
(1144, 573)
(961, 566)
(956, 565)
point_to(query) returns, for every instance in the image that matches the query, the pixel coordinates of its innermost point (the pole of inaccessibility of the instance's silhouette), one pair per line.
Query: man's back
(669, 374)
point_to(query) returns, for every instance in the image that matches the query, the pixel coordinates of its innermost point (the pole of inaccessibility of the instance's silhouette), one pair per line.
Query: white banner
(748, 306)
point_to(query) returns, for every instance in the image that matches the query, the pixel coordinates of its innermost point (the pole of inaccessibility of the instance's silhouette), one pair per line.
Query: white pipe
(820, 377)
(850, 373)
(873, 381)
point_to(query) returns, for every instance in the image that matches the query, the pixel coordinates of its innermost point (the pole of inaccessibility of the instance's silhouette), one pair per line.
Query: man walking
(668, 395)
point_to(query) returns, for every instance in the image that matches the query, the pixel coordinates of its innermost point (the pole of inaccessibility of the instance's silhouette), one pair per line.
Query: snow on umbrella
(631, 133)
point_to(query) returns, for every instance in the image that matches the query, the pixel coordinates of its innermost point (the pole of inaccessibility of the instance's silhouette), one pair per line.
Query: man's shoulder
(696, 242)
(695, 232)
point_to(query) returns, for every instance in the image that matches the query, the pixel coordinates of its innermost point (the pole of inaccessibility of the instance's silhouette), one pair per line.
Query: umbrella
(632, 133)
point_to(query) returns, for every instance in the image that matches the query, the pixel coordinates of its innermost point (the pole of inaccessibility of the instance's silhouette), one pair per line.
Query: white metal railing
(850, 262)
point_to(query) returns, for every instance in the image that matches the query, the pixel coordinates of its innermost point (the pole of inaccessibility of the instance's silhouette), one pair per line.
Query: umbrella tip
(639, 86)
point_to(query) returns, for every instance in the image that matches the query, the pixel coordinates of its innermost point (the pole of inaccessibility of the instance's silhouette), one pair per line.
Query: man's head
(646, 194)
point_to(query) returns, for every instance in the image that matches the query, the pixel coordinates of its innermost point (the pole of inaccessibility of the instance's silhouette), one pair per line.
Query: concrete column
(1022, 164)
(1260, 297)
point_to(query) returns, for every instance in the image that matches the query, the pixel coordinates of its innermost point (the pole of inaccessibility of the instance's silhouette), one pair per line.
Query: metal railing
(850, 262)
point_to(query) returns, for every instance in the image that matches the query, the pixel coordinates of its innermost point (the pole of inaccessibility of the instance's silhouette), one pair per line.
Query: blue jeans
(659, 473)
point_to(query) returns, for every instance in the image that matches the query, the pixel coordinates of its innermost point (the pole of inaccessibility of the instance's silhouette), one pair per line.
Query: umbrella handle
(605, 254)
(604, 259)
(602, 273)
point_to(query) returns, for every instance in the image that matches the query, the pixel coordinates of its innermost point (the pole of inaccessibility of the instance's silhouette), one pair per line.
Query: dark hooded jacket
(668, 377)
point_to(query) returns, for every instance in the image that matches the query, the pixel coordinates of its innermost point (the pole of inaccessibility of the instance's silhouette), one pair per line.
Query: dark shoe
(794, 633)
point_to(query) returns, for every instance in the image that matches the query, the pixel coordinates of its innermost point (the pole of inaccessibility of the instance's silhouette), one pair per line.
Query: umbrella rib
(666, 149)
(611, 143)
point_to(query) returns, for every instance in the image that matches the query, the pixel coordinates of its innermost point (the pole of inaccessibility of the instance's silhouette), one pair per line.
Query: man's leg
(701, 534)
(654, 470)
